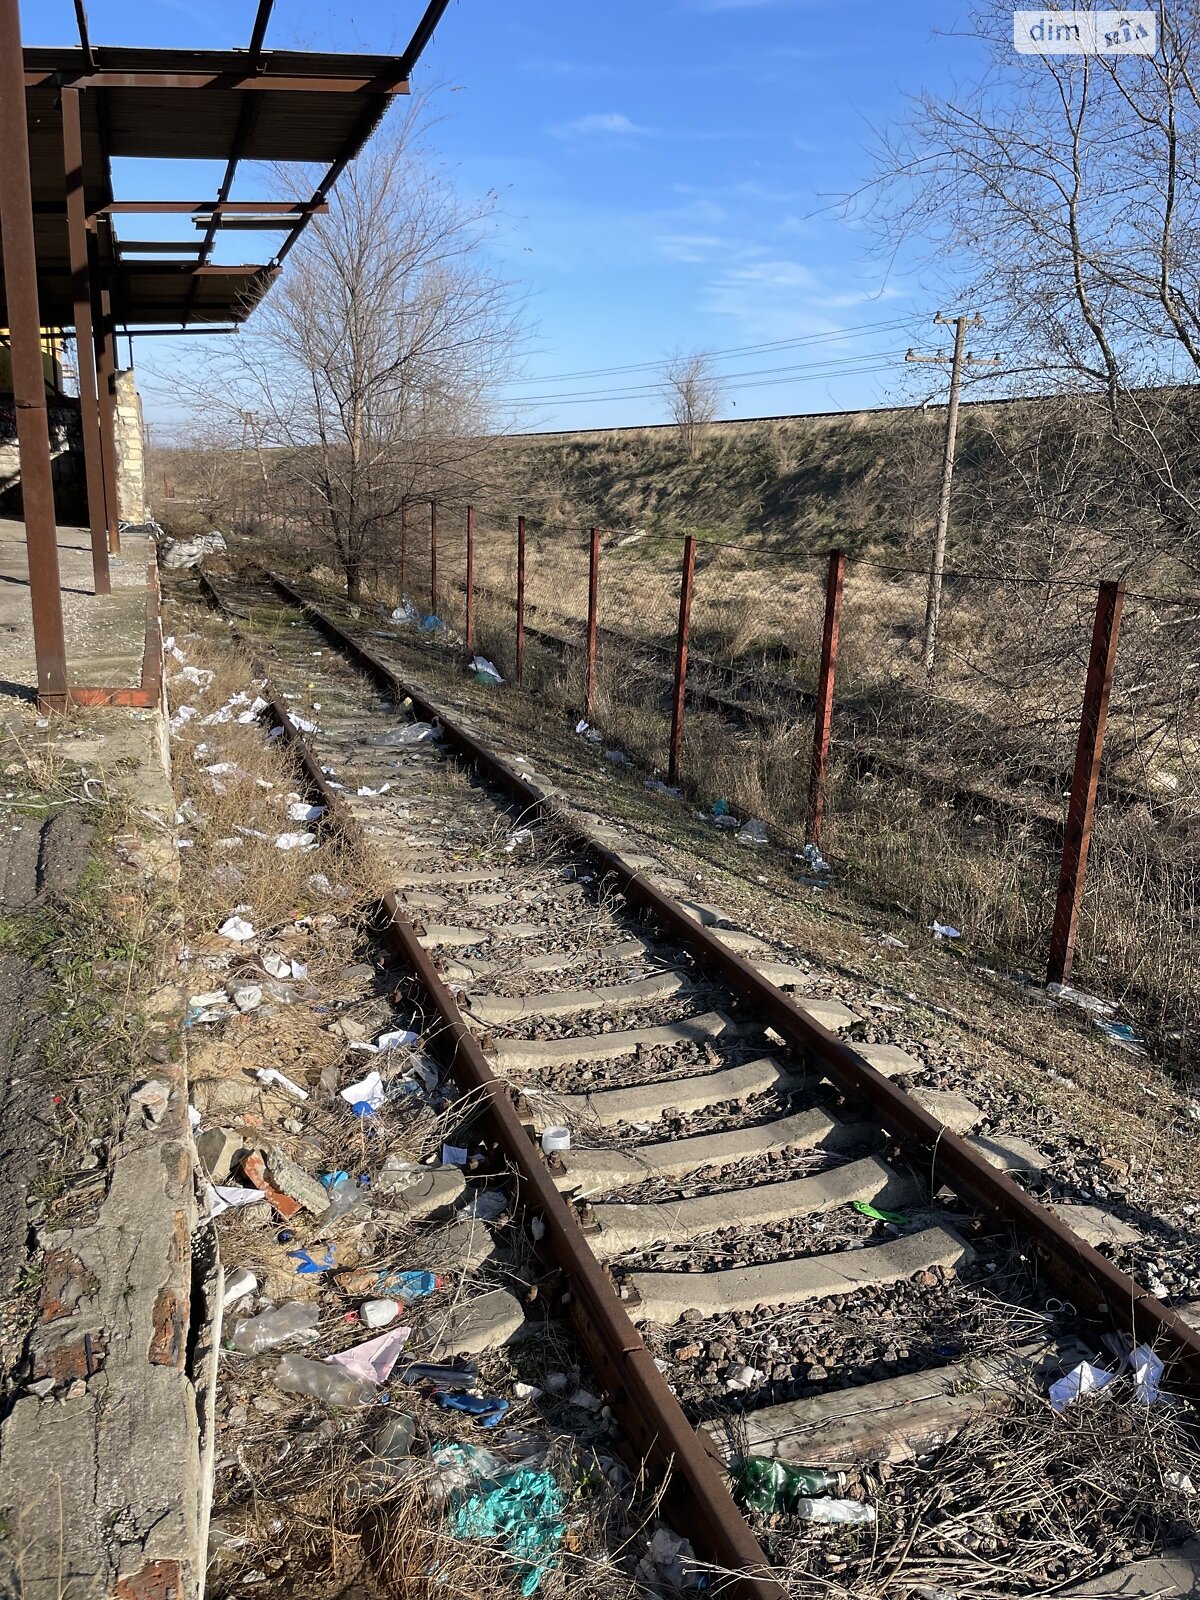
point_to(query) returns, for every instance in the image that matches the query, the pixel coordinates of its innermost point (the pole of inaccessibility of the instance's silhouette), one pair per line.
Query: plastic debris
(280, 967)
(248, 997)
(373, 1360)
(1081, 1380)
(219, 1197)
(485, 671)
(321, 1380)
(585, 730)
(152, 1098)
(1122, 1034)
(1147, 1374)
(296, 841)
(517, 839)
(311, 1266)
(727, 821)
(238, 1284)
(486, 1409)
(405, 613)
(1179, 1481)
(556, 1140)
(739, 1377)
(521, 1510)
(237, 929)
(253, 1335)
(823, 1510)
(813, 859)
(1066, 995)
(753, 832)
(301, 811)
(485, 1205)
(445, 1376)
(720, 808)
(455, 1155)
(771, 1486)
(393, 1039)
(943, 930)
(369, 1091)
(407, 1286)
(866, 1209)
(378, 1313)
(344, 1194)
(272, 1077)
(657, 786)
(668, 1563)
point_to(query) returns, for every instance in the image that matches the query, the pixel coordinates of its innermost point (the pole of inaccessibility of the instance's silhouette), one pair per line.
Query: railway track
(742, 1185)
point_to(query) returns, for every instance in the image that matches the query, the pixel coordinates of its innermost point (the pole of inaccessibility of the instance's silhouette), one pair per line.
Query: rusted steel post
(85, 354)
(433, 557)
(520, 598)
(822, 725)
(470, 577)
(687, 575)
(593, 605)
(106, 379)
(28, 379)
(404, 550)
(1081, 808)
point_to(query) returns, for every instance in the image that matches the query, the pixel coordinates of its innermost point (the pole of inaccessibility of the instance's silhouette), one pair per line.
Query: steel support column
(1106, 630)
(85, 351)
(28, 379)
(589, 701)
(823, 718)
(106, 380)
(520, 599)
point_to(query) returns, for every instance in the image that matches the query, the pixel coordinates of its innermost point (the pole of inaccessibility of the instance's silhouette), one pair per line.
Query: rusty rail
(1094, 1284)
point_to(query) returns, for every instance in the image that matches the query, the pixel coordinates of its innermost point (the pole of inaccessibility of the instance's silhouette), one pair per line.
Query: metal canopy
(225, 105)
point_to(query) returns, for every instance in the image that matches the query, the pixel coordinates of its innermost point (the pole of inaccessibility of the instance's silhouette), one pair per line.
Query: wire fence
(945, 794)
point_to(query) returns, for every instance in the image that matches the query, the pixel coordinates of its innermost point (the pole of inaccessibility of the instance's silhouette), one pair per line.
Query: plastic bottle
(253, 1335)
(322, 1381)
(769, 1485)
(344, 1194)
(834, 1510)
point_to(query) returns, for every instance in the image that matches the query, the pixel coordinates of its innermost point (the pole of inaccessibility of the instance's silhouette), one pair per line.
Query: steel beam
(85, 351)
(28, 379)
(106, 382)
(388, 83)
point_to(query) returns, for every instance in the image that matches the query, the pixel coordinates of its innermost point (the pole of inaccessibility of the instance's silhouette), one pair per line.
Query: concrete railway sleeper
(676, 1028)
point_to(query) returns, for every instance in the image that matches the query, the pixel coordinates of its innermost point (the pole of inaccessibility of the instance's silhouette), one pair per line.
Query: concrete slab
(1096, 1226)
(491, 1009)
(105, 634)
(889, 1059)
(484, 1323)
(1009, 1154)
(637, 1227)
(430, 1192)
(665, 1296)
(831, 1014)
(741, 943)
(650, 1102)
(461, 1246)
(588, 1171)
(528, 1055)
(782, 975)
(953, 1111)
(447, 936)
(1153, 1579)
(448, 878)
(889, 1421)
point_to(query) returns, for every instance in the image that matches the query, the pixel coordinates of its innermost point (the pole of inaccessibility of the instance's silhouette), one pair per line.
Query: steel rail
(655, 1427)
(1094, 1284)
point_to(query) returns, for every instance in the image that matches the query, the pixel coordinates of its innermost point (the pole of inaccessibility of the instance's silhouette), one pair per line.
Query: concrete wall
(131, 451)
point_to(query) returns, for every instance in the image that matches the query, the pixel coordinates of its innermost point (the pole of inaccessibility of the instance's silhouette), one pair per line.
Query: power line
(803, 375)
(738, 350)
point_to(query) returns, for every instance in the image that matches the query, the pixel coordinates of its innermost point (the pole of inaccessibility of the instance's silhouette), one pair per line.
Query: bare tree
(371, 366)
(692, 390)
(1061, 193)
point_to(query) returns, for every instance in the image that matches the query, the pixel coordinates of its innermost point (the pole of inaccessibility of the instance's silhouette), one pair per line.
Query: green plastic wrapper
(770, 1486)
(522, 1511)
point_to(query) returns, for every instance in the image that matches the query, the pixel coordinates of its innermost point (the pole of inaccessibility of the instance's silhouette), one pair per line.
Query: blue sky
(667, 173)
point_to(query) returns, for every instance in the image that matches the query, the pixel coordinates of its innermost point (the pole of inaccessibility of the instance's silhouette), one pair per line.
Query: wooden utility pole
(933, 602)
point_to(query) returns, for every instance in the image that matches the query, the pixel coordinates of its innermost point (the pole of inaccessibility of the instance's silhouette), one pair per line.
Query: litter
(1179, 1481)
(516, 840)
(446, 1377)
(255, 710)
(301, 723)
(407, 1286)
(253, 1335)
(248, 997)
(238, 1284)
(344, 1195)
(237, 929)
(1081, 1380)
(555, 1140)
(485, 671)
(405, 613)
(432, 624)
(222, 1197)
(369, 1091)
(527, 1391)
(455, 1155)
(866, 1209)
(487, 1410)
(409, 733)
(281, 967)
(301, 811)
(225, 769)
(152, 1097)
(720, 808)
(619, 757)
(753, 832)
(373, 1360)
(270, 1076)
(813, 859)
(524, 1512)
(823, 1510)
(200, 676)
(182, 716)
(663, 1566)
(727, 821)
(321, 1381)
(771, 1486)
(1066, 995)
(738, 1377)
(393, 1039)
(942, 930)
(370, 794)
(586, 731)
(485, 1205)
(1147, 1374)
(1123, 1035)
(309, 1267)
(295, 841)
(584, 1400)
(659, 787)
(378, 1313)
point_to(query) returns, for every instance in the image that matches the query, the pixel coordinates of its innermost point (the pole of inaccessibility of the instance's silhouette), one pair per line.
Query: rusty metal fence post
(520, 598)
(686, 577)
(1081, 808)
(404, 550)
(593, 604)
(470, 577)
(28, 379)
(433, 557)
(823, 720)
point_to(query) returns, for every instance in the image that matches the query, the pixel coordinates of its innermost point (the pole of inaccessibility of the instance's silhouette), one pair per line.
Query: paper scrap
(373, 1360)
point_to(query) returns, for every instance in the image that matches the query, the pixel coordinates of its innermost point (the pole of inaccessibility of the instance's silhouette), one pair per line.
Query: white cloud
(606, 123)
